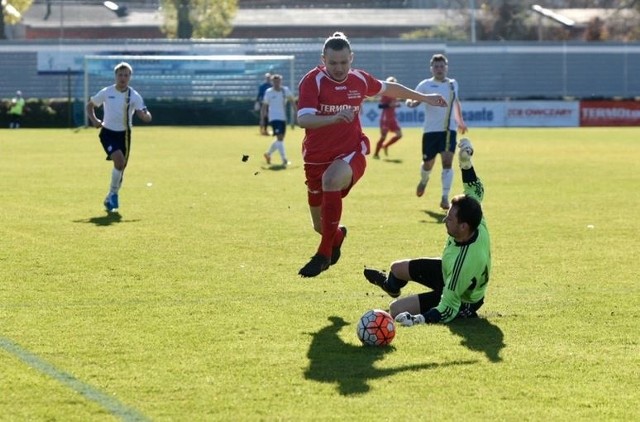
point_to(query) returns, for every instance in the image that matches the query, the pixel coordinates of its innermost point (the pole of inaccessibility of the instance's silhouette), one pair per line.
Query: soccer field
(186, 305)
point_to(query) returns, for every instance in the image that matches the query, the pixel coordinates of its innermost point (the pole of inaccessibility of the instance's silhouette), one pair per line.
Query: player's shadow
(393, 160)
(331, 360)
(438, 217)
(278, 167)
(109, 219)
(480, 335)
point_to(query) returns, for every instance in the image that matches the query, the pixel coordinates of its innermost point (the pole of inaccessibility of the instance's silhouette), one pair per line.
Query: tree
(505, 20)
(7, 13)
(198, 18)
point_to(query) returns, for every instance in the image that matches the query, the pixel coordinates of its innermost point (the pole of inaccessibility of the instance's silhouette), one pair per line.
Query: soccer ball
(376, 328)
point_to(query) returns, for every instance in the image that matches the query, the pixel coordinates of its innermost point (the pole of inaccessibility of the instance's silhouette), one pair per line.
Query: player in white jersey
(120, 103)
(440, 126)
(274, 105)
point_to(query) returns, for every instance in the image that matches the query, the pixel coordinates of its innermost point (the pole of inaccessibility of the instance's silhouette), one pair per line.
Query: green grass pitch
(187, 305)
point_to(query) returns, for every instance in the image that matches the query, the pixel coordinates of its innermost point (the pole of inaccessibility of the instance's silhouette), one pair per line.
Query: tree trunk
(185, 27)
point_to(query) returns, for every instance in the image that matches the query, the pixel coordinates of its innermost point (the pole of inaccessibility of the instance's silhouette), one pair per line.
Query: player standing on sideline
(440, 126)
(274, 105)
(264, 121)
(16, 110)
(120, 103)
(388, 122)
(334, 146)
(459, 279)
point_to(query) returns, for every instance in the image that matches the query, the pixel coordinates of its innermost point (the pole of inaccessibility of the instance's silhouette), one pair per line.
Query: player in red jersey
(334, 145)
(388, 122)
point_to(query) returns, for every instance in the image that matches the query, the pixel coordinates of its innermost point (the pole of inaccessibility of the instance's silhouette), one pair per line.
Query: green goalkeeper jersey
(465, 266)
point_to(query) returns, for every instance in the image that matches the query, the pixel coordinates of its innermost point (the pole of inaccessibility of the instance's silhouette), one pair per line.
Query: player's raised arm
(472, 184)
(394, 89)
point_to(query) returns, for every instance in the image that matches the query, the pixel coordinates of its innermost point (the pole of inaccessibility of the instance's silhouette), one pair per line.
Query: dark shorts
(433, 143)
(428, 272)
(113, 141)
(314, 173)
(14, 118)
(279, 127)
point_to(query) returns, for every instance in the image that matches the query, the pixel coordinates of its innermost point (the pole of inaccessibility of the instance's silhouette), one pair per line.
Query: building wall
(483, 70)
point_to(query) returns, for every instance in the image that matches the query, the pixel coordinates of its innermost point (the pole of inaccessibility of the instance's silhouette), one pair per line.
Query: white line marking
(110, 403)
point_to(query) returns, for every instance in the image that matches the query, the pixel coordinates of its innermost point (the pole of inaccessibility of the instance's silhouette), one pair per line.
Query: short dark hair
(338, 41)
(438, 58)
(469, 210)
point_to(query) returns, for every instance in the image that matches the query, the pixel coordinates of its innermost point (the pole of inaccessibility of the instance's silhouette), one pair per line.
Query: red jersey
(388, 119)
(319, 94)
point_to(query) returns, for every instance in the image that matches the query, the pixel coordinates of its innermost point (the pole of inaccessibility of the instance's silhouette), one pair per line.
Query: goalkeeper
(458, 280)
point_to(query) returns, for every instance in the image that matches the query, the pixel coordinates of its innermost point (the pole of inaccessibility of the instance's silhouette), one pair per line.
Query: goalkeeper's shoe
(407, 320)
(379, 279)
(318, 264)
(335, 252)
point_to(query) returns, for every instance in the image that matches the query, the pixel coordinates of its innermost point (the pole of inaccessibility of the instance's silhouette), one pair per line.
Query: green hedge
(58, 113)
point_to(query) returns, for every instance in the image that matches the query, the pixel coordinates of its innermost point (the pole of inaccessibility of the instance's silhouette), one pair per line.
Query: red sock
(392, 141)
(338, 238)
(331, 212)
(379, 146)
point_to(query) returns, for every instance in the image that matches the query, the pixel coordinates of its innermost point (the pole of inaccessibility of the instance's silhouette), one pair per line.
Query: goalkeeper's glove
(466, 151)
(407, 320)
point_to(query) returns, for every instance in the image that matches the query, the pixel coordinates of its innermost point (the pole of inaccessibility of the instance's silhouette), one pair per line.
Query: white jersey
(439, 119)
(277, 101)
(115, 107)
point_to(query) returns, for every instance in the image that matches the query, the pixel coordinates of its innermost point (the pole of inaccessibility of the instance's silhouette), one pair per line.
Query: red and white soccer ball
(376, 328)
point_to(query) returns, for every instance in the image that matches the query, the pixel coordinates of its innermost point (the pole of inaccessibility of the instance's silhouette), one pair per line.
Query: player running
(388, 123)
(274, 104)
(441, 127)
(458, 280)
(334, 146)
(120, 103)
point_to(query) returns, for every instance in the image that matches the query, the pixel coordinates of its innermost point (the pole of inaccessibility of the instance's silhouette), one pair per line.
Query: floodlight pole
(472, 9)
(61, 19)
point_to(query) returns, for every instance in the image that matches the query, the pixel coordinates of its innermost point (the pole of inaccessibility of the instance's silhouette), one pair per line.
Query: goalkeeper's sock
(116, 180)
(447, 181)
(394, 283)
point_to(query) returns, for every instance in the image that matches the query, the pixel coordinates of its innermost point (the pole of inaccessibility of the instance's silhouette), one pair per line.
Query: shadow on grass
(480, 335)
(106, 220)
(278, 167)
(437, 216)
(331, 360)
(393, 160)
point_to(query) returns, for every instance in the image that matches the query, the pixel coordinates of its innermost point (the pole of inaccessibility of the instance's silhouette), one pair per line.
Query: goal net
(189, 77)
